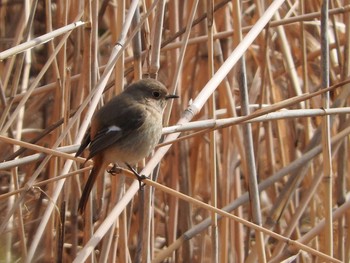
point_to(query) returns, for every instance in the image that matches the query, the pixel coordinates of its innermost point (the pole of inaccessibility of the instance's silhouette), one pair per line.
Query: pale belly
(135, 147)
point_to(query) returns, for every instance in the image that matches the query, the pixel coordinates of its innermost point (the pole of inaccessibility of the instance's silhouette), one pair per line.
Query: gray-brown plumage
(125, 130)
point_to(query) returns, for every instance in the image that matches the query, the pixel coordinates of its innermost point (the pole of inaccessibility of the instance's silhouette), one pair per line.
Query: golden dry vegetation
(261, 137)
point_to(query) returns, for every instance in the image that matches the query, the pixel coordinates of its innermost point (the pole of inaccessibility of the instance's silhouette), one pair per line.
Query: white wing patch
(113, 128)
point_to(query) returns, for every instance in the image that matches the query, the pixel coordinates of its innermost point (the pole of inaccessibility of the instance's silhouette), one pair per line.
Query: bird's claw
(140, 177)
(114, 170)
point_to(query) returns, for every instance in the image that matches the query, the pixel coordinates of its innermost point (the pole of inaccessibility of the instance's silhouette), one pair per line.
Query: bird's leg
(115, 169)
(140, 177)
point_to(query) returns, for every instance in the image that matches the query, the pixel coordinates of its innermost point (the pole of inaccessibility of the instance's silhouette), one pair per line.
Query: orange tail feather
(97, 169)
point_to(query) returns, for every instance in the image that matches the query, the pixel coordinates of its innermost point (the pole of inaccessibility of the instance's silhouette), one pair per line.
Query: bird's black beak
(171, 96)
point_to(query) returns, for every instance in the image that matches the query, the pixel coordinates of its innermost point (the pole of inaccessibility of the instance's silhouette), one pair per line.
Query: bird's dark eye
(156, 94)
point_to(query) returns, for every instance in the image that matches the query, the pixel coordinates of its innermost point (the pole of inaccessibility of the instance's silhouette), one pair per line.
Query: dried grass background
(264, 125)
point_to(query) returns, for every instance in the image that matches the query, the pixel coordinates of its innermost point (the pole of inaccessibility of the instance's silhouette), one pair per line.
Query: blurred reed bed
(254, 162)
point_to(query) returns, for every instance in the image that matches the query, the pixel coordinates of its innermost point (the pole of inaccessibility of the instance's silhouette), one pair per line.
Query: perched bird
(125, 130)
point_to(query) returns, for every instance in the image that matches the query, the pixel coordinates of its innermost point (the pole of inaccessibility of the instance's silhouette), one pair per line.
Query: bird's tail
(97, 169)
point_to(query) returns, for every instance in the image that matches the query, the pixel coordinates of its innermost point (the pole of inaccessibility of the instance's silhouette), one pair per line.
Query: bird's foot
(139, 177)
(114, 170)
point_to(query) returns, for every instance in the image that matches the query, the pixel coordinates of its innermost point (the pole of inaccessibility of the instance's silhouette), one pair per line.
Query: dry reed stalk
(212, 137)
(326, 133)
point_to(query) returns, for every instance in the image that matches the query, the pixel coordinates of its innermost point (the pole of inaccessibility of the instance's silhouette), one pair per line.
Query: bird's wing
(84, 143)
(117, 129)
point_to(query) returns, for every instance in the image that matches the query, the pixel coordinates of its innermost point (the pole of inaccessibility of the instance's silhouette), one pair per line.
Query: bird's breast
(139, 143)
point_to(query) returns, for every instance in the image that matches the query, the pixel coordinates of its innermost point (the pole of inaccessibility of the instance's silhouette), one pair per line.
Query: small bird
(125, 130)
